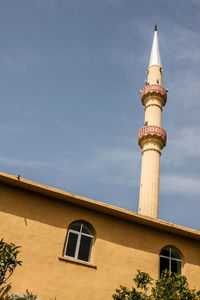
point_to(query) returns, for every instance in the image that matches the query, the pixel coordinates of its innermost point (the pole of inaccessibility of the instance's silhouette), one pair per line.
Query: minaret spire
(152, 137)
(155, 52)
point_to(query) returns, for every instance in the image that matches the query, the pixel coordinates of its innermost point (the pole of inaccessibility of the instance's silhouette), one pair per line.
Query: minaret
(152, 137)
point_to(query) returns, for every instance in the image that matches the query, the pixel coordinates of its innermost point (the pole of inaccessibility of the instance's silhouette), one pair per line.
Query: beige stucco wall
(39, 224)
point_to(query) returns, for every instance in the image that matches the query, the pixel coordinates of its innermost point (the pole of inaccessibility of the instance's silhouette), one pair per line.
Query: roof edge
(99, 206)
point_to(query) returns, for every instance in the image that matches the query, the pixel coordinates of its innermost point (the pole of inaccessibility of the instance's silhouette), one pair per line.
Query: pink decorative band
(152, 132)
(156, 90)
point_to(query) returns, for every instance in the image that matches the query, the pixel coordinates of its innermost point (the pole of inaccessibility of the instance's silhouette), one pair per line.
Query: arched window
(170, 259)
(79, 241)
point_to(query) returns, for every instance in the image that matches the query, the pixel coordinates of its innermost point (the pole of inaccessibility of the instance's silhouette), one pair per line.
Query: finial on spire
(155, 53)
(155, 27)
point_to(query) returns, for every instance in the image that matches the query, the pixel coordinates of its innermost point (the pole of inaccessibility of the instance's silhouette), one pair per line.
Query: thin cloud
(185, 90)
(118, 166)
(27, 163)
(180, 146)
(175, 184)
(18, 61)
(184, 45)
(13, 129)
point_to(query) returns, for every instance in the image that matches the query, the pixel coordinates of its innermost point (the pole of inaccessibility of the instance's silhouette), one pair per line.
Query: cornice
(152, 132)
(154, 89)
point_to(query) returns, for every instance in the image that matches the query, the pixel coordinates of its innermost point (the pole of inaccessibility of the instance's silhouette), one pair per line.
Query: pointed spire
(155, 53)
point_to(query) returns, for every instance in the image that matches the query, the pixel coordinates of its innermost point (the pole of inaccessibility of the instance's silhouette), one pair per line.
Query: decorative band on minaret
(152, 137)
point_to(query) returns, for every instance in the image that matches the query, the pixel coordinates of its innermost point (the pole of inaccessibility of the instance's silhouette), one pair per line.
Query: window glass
(174, 253)
(176, 266)
(85, 229)
(76, 226)
(164, 264)
(79, 243)
(170, 259)
(165, 251)
(71, 244)
(84, 250)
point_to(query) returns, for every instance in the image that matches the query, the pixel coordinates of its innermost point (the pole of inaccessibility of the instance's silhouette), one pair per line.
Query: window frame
(78, 243)
(170, 258)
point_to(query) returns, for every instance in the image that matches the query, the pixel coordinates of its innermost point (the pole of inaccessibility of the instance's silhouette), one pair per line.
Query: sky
(70, 107)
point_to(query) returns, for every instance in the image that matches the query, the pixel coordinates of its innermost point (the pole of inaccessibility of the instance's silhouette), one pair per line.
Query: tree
(170, 286)
(8, 263)
(173, 286)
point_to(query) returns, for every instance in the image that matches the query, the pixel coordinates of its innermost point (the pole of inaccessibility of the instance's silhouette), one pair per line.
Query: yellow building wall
(39, 225)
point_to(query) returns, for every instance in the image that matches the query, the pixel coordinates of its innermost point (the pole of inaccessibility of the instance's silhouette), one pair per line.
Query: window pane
(164, 264)
(75, 226)
(176, 267)
(71, 244)
(84, 250)
(165, 251)
(85, 229)
(175, 254)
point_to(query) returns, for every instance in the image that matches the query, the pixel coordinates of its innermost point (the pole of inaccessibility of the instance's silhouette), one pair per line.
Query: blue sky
(70, 74)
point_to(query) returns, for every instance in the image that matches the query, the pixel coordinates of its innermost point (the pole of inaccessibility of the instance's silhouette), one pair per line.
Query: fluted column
(151, 139)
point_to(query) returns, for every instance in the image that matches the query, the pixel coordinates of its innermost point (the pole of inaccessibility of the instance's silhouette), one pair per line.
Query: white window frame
(79, 233)
(170, 258)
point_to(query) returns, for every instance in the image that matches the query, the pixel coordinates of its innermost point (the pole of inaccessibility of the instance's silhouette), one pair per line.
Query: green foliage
(8, 263)
(173, 286)
(125, 294)
(6, 297)
(170, 286)
(142, 279)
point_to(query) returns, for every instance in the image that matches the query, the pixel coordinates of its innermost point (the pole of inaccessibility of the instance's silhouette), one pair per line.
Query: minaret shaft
(154, 75)
(152, 138)
(153, 114)
(153, 106)
(150, 179)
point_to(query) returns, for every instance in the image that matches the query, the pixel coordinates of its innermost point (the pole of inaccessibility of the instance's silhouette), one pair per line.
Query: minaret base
(149, 185)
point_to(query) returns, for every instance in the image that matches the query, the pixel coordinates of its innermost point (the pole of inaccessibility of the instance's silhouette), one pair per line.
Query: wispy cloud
(13, 129)
(18, 61)
(175, 184)
(184, 91)
(183, 144)
(187, 44)
(118, 166)
(15, 162)
(110, 166)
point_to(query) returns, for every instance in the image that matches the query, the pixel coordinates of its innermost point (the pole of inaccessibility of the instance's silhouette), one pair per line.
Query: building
(76, 248)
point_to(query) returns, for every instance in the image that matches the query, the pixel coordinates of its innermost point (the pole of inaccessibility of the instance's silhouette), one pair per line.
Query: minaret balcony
(152, 133)
(154, 90)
